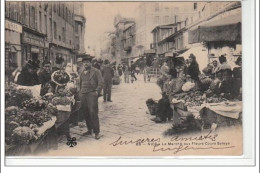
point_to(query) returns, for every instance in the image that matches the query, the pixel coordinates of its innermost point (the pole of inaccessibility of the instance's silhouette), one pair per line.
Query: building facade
(152, 14)
(41, 31)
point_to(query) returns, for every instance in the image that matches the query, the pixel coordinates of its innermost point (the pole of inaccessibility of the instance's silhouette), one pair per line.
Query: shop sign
(13, 26)
(33, 39)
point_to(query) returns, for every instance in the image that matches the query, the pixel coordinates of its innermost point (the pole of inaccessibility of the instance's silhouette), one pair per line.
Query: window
(63, 34)
(66, 14)
(46, 24)
(76, 27)
(77, 42)
(156, 19)
(54, 7)
(166, 19)
(157, 7)
(55, 30)
(32, 17)
(176, 19)
(195, 6)
(58, 8)
(50, 23)
(40, 21)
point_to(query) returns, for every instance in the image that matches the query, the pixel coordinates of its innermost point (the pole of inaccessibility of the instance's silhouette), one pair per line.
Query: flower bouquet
(60, 77)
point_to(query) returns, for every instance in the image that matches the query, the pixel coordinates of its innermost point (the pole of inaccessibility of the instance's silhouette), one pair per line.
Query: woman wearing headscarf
(224, 73)
(193, 69)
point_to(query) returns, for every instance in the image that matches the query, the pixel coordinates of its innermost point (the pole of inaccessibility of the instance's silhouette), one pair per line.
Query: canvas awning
(224, 29)
(149, 51)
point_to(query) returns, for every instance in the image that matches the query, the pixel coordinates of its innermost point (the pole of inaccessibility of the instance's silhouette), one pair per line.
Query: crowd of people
(91, 77)
(217, 78)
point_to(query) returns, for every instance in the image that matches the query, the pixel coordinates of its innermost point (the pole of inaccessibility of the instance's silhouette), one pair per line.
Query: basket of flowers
(60, 77)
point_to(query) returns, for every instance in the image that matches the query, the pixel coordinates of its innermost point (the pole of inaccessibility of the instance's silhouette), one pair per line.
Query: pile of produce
(24, 115)
(60, 77)
(191, 98)
(15, 97)
(61, 101)
(196, 98)
(34, 119)
(34, 104)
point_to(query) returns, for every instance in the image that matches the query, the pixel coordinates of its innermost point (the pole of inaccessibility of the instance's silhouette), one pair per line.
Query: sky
(100, 18)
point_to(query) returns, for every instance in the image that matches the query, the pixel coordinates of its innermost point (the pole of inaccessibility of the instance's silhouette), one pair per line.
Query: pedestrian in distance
(91, 84)
(120, 70)
(108, 74)
(126, 74)
(132, 72)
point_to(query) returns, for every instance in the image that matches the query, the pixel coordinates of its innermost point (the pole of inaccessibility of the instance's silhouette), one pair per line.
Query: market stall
(33, 122)
(28, 121)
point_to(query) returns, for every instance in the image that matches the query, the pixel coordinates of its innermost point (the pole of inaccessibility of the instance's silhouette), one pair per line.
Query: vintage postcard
(123, 78)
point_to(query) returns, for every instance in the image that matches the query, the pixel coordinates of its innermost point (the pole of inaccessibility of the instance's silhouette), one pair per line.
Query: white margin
(248, 159)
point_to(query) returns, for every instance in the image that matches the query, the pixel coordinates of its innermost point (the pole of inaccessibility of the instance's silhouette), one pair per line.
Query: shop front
(13, 57)
(33, 46)
(67, 54)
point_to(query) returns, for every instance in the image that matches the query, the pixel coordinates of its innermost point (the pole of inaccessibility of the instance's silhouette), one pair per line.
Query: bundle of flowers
(34, 104)
(15, 97)
(60, 77)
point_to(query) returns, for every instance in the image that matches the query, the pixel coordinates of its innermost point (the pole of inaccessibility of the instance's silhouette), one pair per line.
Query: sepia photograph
(123, 78)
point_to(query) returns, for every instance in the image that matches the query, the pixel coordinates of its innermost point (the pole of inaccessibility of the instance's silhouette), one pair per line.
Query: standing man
(108, 74)
(45, 77)
(132, 69)
(91, 84)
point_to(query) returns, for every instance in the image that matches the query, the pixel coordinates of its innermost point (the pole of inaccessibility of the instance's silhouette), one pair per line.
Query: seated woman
(170, 88)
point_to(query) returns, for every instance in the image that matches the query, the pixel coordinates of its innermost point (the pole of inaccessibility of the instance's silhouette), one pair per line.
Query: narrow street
(127, 116)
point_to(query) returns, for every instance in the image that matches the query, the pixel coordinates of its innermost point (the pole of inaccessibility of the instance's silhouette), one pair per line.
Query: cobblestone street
(127, 116)
(127, 120)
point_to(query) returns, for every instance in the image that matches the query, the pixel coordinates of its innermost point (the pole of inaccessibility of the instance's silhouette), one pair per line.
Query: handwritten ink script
(176, 144)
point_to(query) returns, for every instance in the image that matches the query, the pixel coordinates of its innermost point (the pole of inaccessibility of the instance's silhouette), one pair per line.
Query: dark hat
(106, 61)
(239, 59)
(59, 60)
(192, 56)
(45, 62)
(222, 59)
(33, 64)
(87, 58)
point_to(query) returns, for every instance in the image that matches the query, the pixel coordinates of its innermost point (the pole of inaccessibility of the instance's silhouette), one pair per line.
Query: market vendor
(28, 75)
(214, 69)
(193, 69)
(237, 74)
(224, 73)
(45, 77)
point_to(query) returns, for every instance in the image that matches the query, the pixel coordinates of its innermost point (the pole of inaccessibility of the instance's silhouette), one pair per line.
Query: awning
(223, 29)
(136, 59)
(149, 51)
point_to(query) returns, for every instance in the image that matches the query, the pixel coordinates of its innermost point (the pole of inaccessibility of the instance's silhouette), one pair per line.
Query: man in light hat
(91, 84)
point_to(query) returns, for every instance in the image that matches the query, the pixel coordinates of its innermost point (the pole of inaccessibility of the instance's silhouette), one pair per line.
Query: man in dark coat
(108, 74)
(91, 84)
(28, 76)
